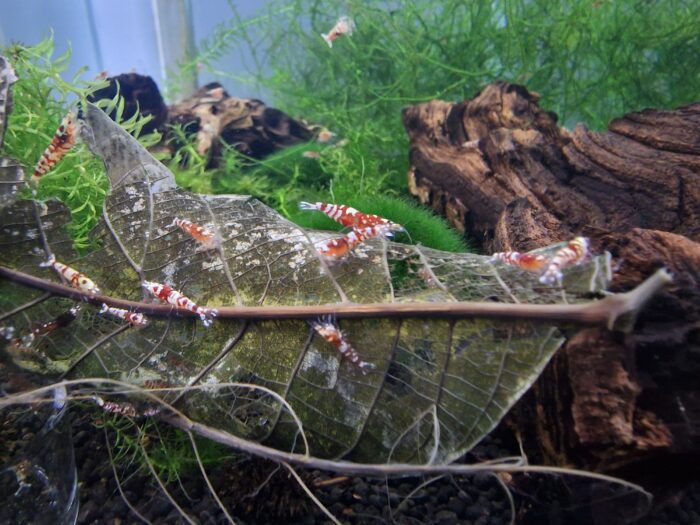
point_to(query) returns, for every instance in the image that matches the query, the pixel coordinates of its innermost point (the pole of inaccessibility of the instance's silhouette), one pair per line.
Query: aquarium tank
(313, 261)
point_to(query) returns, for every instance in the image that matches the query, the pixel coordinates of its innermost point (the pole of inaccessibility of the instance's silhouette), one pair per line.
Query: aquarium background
(148, 37)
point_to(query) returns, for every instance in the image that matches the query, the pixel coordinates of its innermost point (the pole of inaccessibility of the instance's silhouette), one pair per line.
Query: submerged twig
(207, 480)
(311, 495)
(605, 312)
(179, 420)
(116, 479)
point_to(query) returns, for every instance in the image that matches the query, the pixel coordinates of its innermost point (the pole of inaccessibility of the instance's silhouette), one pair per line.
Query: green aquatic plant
(423, 226)
(590, 60)
(169, 451)
(41, 98)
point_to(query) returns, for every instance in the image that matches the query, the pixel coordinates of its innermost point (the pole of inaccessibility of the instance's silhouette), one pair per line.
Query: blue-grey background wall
(146, 36)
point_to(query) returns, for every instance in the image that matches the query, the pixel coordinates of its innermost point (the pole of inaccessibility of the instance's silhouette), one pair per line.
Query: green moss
(169, 450)
(422, 225)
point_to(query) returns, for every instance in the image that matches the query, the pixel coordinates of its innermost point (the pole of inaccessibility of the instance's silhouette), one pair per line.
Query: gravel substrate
(257, 491)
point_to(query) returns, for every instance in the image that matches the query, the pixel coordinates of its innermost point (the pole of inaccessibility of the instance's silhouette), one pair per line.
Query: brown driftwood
(140, 94)
(501, 170)
(248, 125)
(212, 116)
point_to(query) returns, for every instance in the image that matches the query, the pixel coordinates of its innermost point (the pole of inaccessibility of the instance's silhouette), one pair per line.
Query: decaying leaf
(443, 376)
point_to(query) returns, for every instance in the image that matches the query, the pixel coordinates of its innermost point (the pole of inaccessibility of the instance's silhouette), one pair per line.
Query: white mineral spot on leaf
(210, 384)
(328, 366)
(139, 205)
(297, 260)
(215, 264)
(278, 235)
(242, 246)
(169, 271)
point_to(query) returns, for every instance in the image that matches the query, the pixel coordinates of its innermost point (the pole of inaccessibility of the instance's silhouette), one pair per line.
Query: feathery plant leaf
(41, 99)
(591, 61)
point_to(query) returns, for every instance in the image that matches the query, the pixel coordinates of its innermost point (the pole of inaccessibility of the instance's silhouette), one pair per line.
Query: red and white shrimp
(344, 26)
(170, 296)
(350, 217)
(340, 246)
(575, 252)
(126, 408)
(133, 318)
(203, 236)
(333, 335)
(74, 277)
(63, 140)
(59, 321)
(526, 261)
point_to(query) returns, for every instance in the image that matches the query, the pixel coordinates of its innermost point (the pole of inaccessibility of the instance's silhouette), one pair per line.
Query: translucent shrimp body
(575, 252)
(332, 334)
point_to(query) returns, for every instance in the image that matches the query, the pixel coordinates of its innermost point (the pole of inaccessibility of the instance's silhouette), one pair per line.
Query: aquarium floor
(253, 497)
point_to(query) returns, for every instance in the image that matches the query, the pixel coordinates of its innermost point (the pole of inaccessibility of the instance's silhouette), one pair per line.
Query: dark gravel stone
(457, 506)
(377, 501)
(483, 480)
(361, 490)
(335, 494)
(465, 497)
(474, 512)
(159, 507)
(89, 511)
(446, 517)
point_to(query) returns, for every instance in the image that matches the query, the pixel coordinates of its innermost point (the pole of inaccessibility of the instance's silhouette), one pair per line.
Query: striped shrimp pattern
(61, 143)
(525, 261)
(133, 318)
(350, 217)
(575, 252)
(73, 276)
(335, 337)
(166, 294)
(340, 246)
(203, 236)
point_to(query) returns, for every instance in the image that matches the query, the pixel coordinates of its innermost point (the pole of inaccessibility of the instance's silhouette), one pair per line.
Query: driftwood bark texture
(218, 120)
(501, 170)
(213, 118)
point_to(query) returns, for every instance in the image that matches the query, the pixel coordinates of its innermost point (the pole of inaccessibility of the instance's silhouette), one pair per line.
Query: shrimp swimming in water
(333, 335)
(526, 261)
(575, 252)
(20, 345)
(340, 246)
(170, 296)
(63, 140)
(73, 276)
(204, 237)
(350, 217)
(133, 318)
(344, 26)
